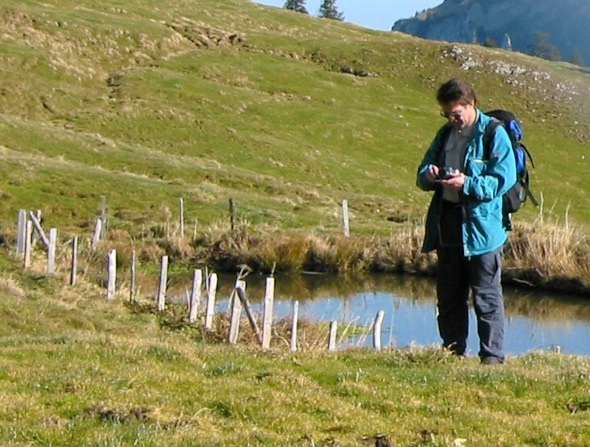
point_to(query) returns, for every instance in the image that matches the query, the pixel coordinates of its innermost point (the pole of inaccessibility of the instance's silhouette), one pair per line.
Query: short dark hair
(456, 91)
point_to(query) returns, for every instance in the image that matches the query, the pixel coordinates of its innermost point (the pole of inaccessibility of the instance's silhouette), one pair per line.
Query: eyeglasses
(451, 115)
(456, 114)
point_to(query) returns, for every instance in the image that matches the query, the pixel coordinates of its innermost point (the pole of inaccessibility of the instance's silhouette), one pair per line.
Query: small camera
(446, 173)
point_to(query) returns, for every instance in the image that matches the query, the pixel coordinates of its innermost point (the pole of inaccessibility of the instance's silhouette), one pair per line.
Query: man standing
(464, 221)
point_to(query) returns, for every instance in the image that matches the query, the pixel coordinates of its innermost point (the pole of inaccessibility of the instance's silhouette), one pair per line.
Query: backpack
(516, 196)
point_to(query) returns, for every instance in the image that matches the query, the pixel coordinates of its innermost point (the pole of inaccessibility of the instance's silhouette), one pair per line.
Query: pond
(535, 321)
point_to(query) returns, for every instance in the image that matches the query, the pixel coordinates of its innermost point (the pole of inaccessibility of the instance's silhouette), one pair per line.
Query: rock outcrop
(507, 23)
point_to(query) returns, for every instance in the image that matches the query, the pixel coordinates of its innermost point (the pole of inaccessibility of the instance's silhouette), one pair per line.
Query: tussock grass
(549, 254)
(11, 286)
(545, 254)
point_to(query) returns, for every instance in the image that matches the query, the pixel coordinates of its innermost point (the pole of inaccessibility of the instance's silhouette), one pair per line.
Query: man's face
(459, 115)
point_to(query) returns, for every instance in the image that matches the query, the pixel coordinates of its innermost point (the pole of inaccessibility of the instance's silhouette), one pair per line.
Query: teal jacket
(488, 176)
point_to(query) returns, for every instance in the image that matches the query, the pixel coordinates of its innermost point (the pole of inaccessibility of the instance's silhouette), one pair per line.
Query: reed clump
(550, 255)
(321, 253)
(543, 254)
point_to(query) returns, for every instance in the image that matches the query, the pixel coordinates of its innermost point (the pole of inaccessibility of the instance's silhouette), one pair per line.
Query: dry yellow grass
(545, 254)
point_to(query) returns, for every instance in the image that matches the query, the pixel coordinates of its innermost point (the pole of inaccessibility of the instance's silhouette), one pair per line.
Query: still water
(534, 321)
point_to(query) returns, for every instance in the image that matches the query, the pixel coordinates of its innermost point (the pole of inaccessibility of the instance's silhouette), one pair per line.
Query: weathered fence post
(269, 296)
(97, 232)
(242, 295)
(21, 232)
(232, 215)
(132, 279)
(195, 295)
(377, 330)
(40, 232)
(74, 261)
(112, 274)
(294, 326)
(345, 220)
(211, 292)
(28, 244)
(236, 311)
(163, 281)
(37, 216)
(103, 217)
(181, 219)
(51, 251)
(332, 339)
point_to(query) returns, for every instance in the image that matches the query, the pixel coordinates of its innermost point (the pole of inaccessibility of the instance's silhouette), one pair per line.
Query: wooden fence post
(37, 216)
(269, 296)
(377, 330)
(21, 232)
(163, 282)
(232, 215)
(97, 232)
(28, 244)
(246, 304)
(294, 326)
(103, 217)
(195, 296)
(332, 339)
(112, 274)
(211, 292)
(132, 279)
(51, 251)
(181, 219)
(74, 261)
(236, 311)
(345, 220)
(39, 230)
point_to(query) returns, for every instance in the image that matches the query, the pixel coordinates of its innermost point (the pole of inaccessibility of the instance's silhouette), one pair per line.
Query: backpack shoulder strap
(527, 153)
(488, 136)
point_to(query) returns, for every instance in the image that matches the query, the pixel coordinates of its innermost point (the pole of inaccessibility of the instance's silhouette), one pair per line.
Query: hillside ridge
(508, 24)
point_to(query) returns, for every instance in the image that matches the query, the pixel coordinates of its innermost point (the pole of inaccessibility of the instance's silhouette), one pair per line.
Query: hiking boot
(491, 360)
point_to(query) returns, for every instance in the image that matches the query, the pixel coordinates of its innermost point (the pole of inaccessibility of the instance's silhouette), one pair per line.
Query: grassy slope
(116, 99)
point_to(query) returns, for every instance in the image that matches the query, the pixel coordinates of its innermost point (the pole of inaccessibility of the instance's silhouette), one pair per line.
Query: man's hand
(454, 182)
(431, 174)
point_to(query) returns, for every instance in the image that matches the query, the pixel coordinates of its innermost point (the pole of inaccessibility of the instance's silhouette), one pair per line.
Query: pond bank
(547, 258)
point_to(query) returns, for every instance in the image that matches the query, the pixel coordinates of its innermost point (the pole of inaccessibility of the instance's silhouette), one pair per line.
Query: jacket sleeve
(499, 173)
(431, 157)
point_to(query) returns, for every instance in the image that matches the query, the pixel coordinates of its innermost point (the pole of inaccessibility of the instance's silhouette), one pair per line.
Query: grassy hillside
(208, 101)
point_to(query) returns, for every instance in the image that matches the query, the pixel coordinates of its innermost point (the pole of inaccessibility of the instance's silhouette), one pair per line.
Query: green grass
(77, 370)
(103, 95)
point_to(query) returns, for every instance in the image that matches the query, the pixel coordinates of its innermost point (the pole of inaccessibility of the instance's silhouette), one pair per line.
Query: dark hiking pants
(456, 277)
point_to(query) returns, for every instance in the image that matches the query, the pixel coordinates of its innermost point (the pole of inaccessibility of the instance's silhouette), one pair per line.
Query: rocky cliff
(507, 23)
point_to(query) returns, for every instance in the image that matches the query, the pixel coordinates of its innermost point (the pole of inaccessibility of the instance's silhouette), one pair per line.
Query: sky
(373, 14)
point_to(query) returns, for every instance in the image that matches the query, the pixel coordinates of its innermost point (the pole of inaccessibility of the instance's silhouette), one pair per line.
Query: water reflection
(534, 320)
